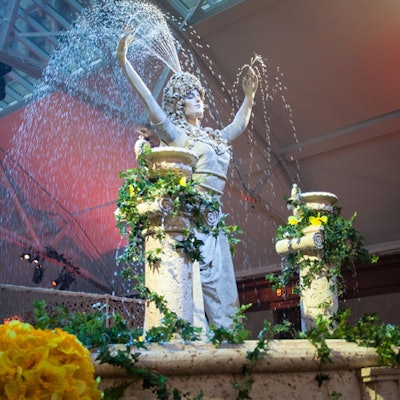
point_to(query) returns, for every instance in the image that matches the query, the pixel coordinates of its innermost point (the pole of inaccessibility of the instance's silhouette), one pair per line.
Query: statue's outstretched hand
(250, 82)
(124, 41)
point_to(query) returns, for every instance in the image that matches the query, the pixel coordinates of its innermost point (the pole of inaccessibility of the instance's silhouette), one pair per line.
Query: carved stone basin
(164, 160)
(318, 200)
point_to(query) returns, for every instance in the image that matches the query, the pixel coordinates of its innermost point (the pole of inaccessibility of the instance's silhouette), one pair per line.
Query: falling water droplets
(83, 111)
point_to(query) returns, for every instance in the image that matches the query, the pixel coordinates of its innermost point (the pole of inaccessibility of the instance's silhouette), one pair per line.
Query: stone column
(320, 295)
(172, 275)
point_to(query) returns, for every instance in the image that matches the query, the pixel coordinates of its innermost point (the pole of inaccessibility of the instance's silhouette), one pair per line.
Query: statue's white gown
(216, 271)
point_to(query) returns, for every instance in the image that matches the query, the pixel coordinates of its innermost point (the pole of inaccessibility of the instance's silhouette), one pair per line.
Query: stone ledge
(379, 374)
(288, 371)
(200, 358)
(380, 383)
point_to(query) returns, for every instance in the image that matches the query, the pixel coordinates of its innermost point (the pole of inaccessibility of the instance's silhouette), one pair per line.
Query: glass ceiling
(29, 31)
(195, 11)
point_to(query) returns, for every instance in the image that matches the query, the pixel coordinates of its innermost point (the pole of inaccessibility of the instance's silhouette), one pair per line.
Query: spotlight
(36, 260)
(26, 255)
(56, 282)
(64, 280)
(30, 256)
(38, 273)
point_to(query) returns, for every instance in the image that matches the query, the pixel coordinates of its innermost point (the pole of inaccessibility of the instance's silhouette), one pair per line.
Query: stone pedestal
(172, 275)
(319, 296)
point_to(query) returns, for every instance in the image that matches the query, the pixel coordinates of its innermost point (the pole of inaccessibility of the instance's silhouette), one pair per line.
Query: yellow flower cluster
(182, 181)
(44, 364)
(131, 190)
(314, 221)
(318, 220)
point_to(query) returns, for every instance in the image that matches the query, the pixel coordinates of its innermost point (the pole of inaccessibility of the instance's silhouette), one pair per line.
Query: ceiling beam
(7, 22)
(78, 6)
(14, 94)
(359, 132)
(34, 49)
(28, 65)
(53, 14)
(36, 26)
(20, 208)
(21, 80)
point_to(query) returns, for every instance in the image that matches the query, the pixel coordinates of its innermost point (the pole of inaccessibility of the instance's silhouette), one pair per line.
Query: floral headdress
(175, 92)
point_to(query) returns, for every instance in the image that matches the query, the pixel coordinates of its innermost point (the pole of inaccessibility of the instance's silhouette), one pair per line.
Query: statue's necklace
(209, 136)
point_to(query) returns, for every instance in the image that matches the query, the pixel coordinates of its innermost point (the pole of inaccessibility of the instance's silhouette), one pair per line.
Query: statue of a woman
(177, 123)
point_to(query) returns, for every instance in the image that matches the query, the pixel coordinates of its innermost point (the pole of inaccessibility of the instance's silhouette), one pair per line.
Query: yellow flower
(293, 220)
(318, 220)
(182, 181)
(48, 376)
(41, 364)
(131, 191)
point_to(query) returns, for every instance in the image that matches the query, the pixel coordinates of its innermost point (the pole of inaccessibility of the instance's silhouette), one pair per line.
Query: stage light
(56, 282)
(36, 260)
(64, 280)
(38, 273)
(30, 256)
(26, 255)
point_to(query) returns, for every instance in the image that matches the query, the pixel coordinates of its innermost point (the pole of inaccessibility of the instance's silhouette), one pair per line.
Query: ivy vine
(185, 196)
(91, 330)
(342, 246)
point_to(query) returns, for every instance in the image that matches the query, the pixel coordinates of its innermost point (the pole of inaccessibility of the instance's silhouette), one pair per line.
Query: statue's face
(194, 105)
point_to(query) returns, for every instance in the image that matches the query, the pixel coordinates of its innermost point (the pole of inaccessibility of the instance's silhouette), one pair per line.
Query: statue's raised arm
(155, 112)
(178, 124)
(242, 117)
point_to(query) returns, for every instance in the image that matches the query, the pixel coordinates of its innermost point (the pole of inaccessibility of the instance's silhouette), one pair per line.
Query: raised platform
(287, 371)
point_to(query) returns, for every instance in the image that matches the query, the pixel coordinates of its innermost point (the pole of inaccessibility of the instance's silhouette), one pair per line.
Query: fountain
(204, 360)
(288, 368)
(178, 123)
